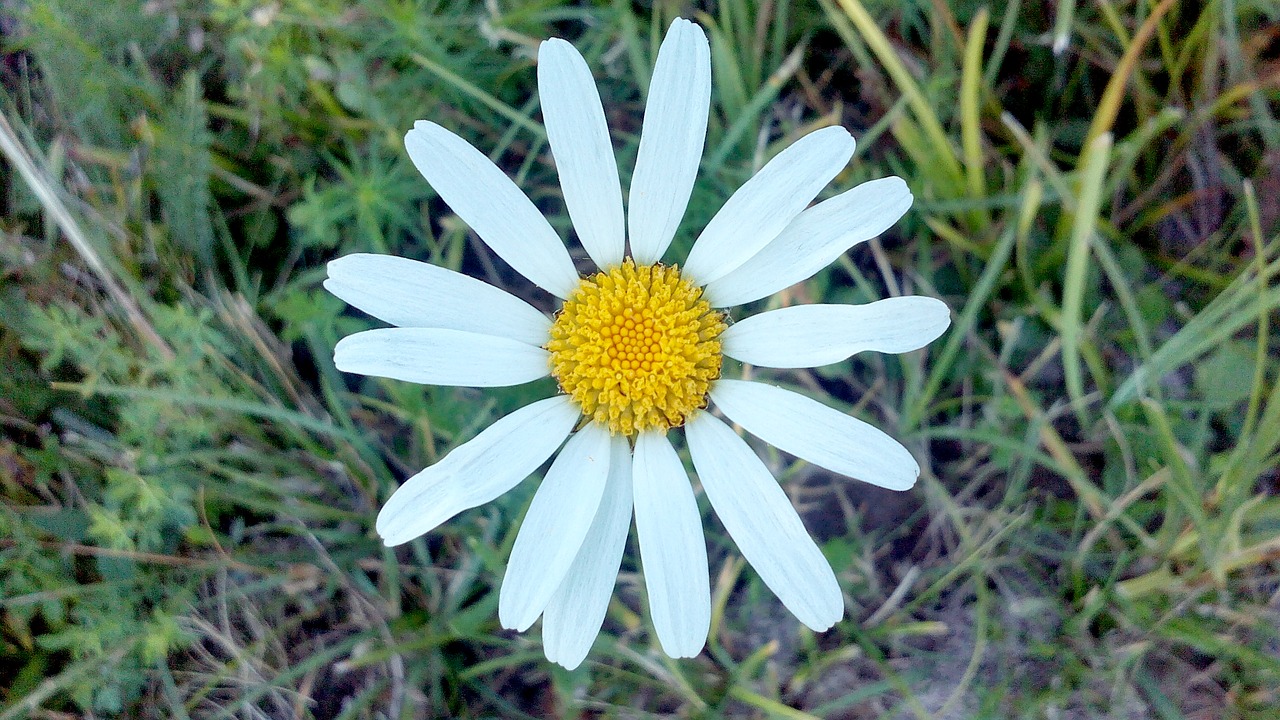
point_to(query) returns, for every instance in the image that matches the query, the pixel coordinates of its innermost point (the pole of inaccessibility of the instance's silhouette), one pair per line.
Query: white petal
(579, 138)
(478, 470)
(811, 335)
(671, 140)
(761, 520)
(672, 548)
(555, 526)
(761, 208)
(810, 430)
(433, 356)
(408, 293)
(486, 199)
(813, 240)
(574, 616)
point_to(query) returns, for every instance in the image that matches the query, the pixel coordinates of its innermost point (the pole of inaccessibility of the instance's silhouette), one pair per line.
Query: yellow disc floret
(636, 347)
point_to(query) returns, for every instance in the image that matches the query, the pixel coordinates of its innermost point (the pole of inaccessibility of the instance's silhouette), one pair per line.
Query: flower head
(637, 349)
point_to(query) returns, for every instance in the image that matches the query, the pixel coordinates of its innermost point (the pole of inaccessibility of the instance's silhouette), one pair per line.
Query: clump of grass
(189, 485)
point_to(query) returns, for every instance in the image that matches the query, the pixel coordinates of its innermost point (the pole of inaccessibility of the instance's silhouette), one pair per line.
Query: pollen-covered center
(636, 347)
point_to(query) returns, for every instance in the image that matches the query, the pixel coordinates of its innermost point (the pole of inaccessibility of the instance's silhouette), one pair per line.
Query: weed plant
(188, 486)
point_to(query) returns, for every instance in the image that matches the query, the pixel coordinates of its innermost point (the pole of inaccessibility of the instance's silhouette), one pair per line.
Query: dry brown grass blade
(45, 190)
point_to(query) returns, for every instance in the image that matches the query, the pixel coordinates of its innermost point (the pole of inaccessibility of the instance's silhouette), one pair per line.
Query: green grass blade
(920, 107)
(1083, 231)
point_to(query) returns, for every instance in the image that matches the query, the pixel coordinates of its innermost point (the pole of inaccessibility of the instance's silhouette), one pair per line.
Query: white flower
(636, 349)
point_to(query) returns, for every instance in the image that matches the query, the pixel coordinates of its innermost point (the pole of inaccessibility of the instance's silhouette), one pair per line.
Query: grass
(189, 486)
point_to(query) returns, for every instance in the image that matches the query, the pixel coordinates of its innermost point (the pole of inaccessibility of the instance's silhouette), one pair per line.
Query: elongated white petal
(486, 199)
(813, 240)
(574, 616)
(761, 520)
(810, 430)
(579, 138)
(555, 526)
(761, 208)
(811, 335)
(477, 471)
(434, 356)
(671, 140)
(408, 293)
(672, 548)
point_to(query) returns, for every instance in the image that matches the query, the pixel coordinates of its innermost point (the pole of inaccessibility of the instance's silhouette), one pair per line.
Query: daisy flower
(637, 348)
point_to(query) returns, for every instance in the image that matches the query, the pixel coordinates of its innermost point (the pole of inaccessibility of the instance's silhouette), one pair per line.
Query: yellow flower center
(636, 347)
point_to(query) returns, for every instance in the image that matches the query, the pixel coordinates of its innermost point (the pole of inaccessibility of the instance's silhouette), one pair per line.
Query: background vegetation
(189, 487)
